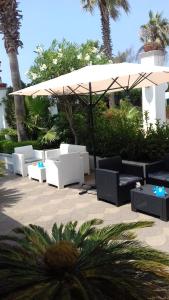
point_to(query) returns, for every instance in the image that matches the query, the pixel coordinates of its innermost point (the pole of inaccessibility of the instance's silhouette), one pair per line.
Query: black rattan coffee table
(146, 201)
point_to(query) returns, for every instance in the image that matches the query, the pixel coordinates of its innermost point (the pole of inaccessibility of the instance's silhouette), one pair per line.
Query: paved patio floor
(24, 201)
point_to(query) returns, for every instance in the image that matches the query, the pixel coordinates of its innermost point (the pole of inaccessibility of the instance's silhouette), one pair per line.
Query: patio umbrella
(99, 79)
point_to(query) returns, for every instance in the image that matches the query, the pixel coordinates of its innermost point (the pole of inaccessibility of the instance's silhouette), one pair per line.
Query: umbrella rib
(143, 77)
(150, 79)
(122, 87)
(73, 90)
(138, 80)
(85, 88)
(78, 96)
(108, 88)
(51, 92)
(34, 93)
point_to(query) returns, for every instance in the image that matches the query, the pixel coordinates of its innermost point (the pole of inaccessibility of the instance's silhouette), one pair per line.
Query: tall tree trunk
(19, 100)
(69, 115)
(105, 21)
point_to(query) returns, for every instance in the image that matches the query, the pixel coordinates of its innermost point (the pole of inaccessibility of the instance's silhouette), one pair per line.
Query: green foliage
(10, 132)
(10, 109)
(64, 57)
(50, 137)
(127, 55)
(119, 131)
(39, 120)
(134, 96)
(62, 128)
(157, 141)
(156, 30)
(79, 263)
(59, 59)
(8, 146)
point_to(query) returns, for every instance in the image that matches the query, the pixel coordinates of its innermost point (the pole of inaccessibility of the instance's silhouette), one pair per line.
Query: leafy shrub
(119, 131)
(12, 133)
(64, 57)
(8, 146)
(10, 109)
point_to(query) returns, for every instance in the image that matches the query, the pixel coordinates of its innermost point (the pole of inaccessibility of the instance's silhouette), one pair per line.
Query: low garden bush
(119, 131)
(8, 146)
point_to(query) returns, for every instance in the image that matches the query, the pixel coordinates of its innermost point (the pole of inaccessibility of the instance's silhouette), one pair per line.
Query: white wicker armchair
(68, 148)
(68, 169)
(25, 156)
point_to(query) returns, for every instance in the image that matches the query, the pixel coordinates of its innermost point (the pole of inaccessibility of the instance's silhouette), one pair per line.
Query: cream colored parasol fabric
(109, 77)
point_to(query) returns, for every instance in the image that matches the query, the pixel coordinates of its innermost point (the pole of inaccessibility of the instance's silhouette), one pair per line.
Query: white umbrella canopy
(99, 79)
(108, 77)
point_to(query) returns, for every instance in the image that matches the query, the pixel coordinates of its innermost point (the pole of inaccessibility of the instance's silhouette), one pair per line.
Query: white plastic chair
(68, 169)
(25, 156)
(69, 148)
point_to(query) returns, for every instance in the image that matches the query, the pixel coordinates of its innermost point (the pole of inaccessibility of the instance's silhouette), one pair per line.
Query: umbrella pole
(92, 125)
(92, 140)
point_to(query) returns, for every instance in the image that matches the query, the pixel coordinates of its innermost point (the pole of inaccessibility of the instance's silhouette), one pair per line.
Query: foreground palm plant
(81, 263)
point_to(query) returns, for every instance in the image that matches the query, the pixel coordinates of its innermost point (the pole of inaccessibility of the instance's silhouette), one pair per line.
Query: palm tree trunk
(105, 21)
(69, 115)
(18, 100)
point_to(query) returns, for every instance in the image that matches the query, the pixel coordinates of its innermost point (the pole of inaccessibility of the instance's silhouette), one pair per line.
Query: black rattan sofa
(157, 173)
(114, 180)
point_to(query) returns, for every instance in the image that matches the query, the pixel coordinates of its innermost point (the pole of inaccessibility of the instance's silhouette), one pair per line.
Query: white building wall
(3, 123)
(153, 98)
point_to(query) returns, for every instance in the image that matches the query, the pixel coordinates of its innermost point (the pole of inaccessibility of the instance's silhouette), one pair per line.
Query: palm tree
(108, 8)
(156, 30)
(9, 26)
(84, 263)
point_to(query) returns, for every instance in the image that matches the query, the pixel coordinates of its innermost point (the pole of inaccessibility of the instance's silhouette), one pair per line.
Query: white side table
(37, 173)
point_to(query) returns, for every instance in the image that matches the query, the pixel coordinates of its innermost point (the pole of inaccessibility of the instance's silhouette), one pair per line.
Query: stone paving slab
(24, 201)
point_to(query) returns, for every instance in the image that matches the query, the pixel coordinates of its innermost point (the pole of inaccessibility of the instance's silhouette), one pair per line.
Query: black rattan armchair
(157, 173)
(115, 179)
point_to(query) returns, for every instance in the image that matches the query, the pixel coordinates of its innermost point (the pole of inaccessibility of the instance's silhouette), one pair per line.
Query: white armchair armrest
(52, 171)
(86, 166)
(19, 164)
(39, 154)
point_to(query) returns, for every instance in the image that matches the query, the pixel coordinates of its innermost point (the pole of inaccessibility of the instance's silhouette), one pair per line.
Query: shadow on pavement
(8, 197)
(7, 224)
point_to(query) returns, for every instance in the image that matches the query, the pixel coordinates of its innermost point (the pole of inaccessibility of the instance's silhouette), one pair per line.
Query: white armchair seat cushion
(31, 160)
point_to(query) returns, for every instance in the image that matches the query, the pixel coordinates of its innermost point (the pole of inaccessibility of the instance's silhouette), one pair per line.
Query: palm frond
(85, 262)
(50, 136)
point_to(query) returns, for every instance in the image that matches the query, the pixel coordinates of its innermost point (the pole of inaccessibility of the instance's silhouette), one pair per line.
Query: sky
(44, 21)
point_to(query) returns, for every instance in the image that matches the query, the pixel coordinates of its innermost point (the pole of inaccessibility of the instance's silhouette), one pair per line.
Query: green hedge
(8, 146)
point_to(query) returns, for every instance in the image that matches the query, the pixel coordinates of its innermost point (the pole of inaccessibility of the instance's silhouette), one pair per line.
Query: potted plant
(155, 34)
